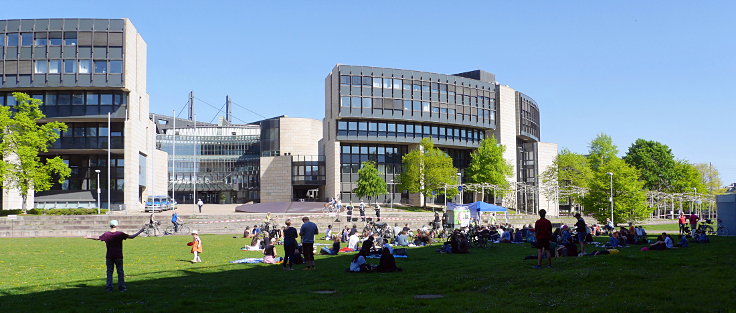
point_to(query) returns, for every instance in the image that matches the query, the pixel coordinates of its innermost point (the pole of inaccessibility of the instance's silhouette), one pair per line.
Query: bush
(78, 211)
(10, 212)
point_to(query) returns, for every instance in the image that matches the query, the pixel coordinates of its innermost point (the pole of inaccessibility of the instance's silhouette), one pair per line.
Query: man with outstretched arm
(114, 258)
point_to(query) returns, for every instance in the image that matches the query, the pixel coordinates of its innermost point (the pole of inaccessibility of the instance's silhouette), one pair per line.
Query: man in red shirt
(543, 232)
(693, 223)
(682, 221)
(114, 258)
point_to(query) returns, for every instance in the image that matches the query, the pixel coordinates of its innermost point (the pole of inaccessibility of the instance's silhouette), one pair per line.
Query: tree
(709, 176)
(688, 177)
(427, 170)
(655, 162)
(488, 166)
(629, 196)
(602, 150)
(23, 139)
(568, 171)
(370, 183)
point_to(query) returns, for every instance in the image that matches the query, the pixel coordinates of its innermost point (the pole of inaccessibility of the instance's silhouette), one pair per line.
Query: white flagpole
(173, 160)
(196, 166)
(109, 175)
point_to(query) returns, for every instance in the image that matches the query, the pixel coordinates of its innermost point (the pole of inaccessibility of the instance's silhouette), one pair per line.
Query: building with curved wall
(380, 114)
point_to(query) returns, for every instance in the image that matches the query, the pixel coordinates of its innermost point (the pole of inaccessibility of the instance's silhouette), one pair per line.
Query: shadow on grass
(493, 279)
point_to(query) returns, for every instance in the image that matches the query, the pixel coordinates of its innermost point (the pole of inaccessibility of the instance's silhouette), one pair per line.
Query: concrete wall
(299, 136)
(276, 179)
(332, 168)
(727, 214)
(160, 172)
(12, 196)
(546, 154)
(506, 129)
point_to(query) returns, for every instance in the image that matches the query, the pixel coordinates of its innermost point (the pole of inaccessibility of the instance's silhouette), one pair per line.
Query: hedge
(54, 212)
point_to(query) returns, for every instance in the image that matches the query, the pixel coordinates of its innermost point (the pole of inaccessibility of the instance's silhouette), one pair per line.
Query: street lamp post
(692, 203)
(392, 194)
(610, 199)
(99, 191)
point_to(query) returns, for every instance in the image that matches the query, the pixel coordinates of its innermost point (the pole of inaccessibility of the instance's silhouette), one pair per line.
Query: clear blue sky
(659, 70)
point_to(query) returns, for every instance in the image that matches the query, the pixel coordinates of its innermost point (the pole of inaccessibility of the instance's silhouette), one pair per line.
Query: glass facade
(392, 129)
(413, 97)
(226, 167)
(73, 103)
(528, 117)
(386, 157)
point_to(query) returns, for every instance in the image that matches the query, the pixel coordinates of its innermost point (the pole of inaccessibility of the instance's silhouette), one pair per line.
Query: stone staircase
(94, 225)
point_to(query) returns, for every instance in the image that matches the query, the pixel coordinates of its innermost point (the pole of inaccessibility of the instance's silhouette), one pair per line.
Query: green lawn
(67, 275)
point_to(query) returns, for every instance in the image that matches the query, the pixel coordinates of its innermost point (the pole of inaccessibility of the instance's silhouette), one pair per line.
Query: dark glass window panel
(70, 38)
(116, 67)
(356, 80)
(55, 38)
(70, 66)
(41, 39)
(78, 99)
(92, 99)
(13, 39)
(64, 99)
(106, 99)
(344, 79)
(100, 66)
(27, 39)
(366, 81)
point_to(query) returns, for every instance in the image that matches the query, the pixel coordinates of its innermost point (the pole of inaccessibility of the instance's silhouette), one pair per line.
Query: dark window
(55, 38)
(70, 38)
(42, 39)
(13, 40)
(78, 99)
(116, 67)
(344, 80)
(100, 66)
(27, 39)
(356, 81)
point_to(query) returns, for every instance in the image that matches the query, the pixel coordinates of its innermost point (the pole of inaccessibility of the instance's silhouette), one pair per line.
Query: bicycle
(705, 227)
(184, 229)
(329, 208)
(152, 230)
(721, 229)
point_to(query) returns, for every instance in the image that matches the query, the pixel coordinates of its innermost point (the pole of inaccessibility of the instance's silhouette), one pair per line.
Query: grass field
(67, 275)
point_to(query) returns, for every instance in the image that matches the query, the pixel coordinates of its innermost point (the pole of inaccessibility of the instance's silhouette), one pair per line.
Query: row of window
(70, 98)
(84, 177)
(69, 38)
(91, 130)
(406, 84)
(368, 103)
(407, 130)
(74, 66)
(386, 157)
(408, 89)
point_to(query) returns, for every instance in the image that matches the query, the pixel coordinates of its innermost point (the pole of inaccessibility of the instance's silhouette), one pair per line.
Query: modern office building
(272, 160)
(380, 114)
(83, 70)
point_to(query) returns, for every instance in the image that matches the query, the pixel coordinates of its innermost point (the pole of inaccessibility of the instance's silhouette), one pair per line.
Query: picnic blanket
(248, 261)
(374, 256)
(249, 248)
(346, 250)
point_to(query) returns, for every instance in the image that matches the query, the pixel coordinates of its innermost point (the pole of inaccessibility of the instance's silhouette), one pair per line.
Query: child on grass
(196, 246)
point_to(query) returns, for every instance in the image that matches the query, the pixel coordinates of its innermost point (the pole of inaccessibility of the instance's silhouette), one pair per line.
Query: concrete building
(272, 160)
(380, 114)
(83, 70)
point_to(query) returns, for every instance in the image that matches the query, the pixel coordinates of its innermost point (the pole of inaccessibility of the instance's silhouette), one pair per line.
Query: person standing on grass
(682, 221)
(114, 258)
(543, 234)
(693, 223)
(307, 232)
(196, 246)
(200, 204)
(493, 218)
(581, 232)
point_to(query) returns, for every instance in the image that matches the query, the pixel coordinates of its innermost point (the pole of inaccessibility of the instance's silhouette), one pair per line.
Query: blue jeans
(327, 251)
(117, 263)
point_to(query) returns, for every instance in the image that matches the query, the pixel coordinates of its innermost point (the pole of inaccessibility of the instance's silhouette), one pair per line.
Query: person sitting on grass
(328, 233)
(566, 235)
(518, 236)
(269, 255)
(613, 241)
(659, 244)
(387, 263)
(335, 247)
(255, 244)
(353, 242)
(367, 245)
(683, 242)
(668, 241)
(246, 232)
(402, 239)
(701, 237)
(359, 264)
(506, 236)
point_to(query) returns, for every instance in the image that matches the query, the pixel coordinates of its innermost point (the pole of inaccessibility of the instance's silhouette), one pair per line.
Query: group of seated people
(509, 234)
(386, 263)
(633, 236)
(457, 243)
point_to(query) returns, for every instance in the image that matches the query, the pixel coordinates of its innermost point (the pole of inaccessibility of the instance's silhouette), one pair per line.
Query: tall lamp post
(99, 191)
(692, 204)
(610, 199)
(392, 194)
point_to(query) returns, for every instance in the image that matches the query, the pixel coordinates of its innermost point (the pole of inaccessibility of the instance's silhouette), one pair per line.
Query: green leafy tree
(23, 139)
(427, 170)
(602, 150)
(710, 177)
(488, 166)
(370, 183)
(688, 177)
(568, 170)
(629, 195)
(655, 162)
